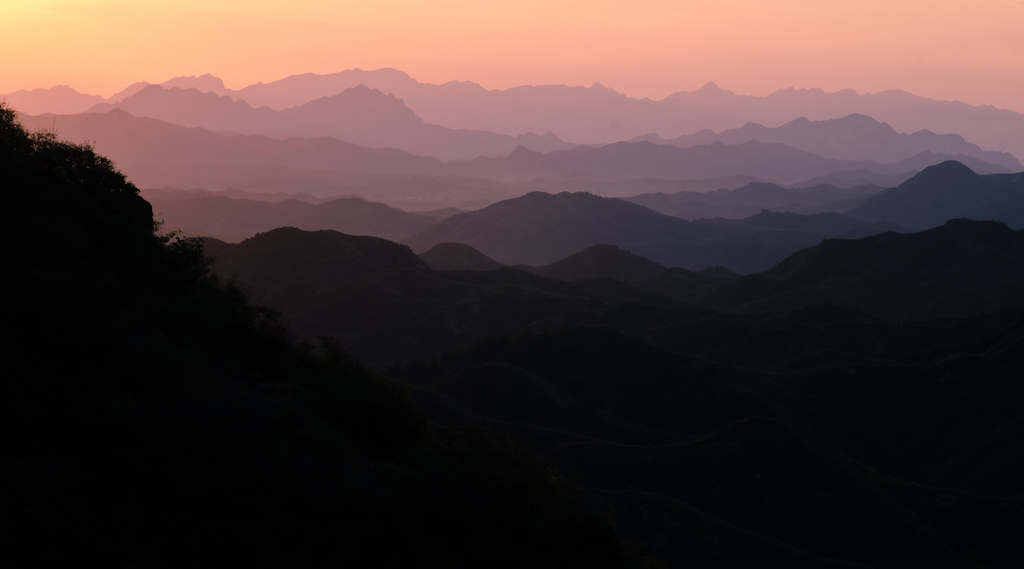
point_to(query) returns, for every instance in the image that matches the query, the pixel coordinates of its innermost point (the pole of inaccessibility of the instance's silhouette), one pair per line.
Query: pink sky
(971, 51)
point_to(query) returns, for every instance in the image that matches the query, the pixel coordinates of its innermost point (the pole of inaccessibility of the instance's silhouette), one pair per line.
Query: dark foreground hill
(686, 448)
(963, 267)
(237, 219)
(822, 434)
(153, 417)
(538, 229)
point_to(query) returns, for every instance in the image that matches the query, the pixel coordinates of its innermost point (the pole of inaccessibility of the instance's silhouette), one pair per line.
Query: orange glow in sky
(950, 49)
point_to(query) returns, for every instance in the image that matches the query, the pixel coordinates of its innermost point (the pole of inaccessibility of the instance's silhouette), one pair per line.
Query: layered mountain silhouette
(588, 115)
(377, 411)
(538, 229)
(855, 137)
(359, 115)
(162, 154)
(183, 426)
(598, 114)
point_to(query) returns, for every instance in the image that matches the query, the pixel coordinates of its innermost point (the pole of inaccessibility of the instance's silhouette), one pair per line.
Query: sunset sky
(971, 51)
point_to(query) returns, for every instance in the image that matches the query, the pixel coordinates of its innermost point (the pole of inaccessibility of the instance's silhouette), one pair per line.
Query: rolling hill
(538, 229)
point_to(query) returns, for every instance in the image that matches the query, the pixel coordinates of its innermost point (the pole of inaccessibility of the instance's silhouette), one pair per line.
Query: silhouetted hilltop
(458, 257)
(358, 114)
(963, 267)
(599, 261)
(237, 219)
(855, 137)
(939, 193)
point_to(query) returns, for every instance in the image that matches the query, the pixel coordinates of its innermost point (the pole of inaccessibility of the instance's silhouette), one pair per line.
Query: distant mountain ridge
(598, 114)
(358, 114)
(947, 191)
(854, 137)
(133, 142)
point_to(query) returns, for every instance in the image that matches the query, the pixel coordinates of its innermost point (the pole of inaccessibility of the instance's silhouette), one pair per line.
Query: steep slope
(599, 261)
(937, 194)
(458, 257)
(236, 219)
(960, 268)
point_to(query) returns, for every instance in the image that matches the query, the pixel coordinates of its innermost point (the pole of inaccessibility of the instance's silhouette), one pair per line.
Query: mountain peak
(947, 172)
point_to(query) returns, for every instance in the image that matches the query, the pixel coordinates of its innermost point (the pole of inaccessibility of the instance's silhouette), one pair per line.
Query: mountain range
(598, 114)
(855, 137)
(157, 154)
(359, 115)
